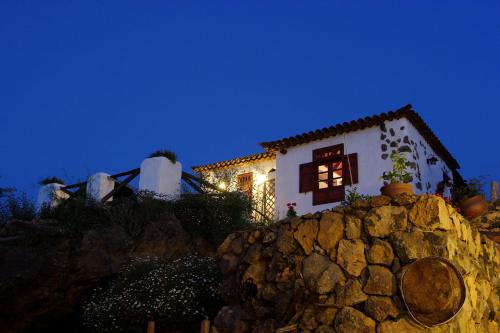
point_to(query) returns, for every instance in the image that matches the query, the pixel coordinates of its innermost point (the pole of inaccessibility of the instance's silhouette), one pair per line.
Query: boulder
(329, 278)
(380, 252)
(225, 247)
(255, 273)
(404, 199)
(380, 200)
(269, 237)
(378, 280)
(349, 293)
(430, 213)
(306, 234)
(381, 221)
(312, 268)
(324, 329)
(268, 326)
(321, 274)
(349, 320)
(403, 325)
(361, 204)
(308, 321)
(254, 236)
(326, 315)
(285, 243)
(351, 256)
(353, 227)
(228, 263)
(229, 320)
(417, 244)
(237, 246)
(331, 230)
(253, 254)
(381, 307)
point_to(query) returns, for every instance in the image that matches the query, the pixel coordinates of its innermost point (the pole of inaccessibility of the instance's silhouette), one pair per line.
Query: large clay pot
(395, 189)
(474, 206)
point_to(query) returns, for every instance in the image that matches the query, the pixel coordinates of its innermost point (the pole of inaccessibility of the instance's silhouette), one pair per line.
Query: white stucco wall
(159, 175)
(99, 185)
(259, 168)
(430, 174)
(367, 144)
(363, 142)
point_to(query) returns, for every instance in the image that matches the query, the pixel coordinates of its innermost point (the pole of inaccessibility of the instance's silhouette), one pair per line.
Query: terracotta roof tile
(366, 122)
(234, 161)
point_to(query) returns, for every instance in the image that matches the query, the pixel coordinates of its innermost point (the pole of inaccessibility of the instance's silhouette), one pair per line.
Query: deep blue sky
(91, 86)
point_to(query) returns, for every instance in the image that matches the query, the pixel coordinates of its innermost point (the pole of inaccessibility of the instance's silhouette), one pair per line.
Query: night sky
(90, 86)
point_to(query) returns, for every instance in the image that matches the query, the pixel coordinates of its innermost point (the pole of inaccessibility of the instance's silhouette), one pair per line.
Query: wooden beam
(125, 173)
(121, 186)
(193, 185)
(202, 182)
(67, 191)
(74, 185)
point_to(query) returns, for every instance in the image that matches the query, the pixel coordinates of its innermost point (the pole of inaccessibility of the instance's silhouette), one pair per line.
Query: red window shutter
(306, 177)
(351, 161)
(328, 196)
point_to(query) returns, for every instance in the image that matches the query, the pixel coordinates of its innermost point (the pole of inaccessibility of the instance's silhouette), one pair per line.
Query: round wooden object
(433, 290)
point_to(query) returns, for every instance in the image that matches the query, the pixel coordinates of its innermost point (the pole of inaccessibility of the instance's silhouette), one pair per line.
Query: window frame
(328, 156)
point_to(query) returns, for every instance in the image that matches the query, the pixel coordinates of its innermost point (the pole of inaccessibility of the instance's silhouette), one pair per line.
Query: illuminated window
(329, 184)
(245, 183)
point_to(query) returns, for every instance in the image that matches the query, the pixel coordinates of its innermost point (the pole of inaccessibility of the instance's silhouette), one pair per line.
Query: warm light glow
(260, 179)
(222, 185)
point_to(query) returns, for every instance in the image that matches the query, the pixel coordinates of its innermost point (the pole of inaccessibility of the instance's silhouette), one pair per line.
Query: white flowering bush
(176, 295)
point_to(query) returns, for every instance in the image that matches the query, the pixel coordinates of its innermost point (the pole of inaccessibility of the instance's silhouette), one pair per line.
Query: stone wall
(338, 271)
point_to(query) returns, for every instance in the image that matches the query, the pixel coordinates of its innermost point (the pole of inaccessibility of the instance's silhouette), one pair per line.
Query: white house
(316, 168)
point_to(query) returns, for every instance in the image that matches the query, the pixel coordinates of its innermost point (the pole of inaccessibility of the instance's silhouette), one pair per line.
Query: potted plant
(398, 180)
(469, 198)
(164, 153)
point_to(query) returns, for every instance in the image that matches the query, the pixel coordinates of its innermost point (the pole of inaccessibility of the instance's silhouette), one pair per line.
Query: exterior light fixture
(260, 179)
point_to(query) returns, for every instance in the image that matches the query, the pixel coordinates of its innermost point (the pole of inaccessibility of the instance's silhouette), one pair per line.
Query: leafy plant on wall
(394, 139)
(399, 172)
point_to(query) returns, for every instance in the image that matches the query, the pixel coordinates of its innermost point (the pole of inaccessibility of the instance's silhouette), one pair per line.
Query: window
(328, 174)
(328, 184)
(245, 183)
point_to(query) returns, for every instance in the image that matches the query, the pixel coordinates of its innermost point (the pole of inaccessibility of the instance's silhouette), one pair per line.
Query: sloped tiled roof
(234, 161)
(362, 123)
(407, 112)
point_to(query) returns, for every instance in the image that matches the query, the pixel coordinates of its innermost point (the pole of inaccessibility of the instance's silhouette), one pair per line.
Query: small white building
(315, 169)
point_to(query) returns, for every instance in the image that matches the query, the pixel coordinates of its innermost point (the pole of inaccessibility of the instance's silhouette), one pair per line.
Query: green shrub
(399, 172)
(212, 216)
(17, 207)
(165, 153)
(353, 195)
(176, 295)
(76, 215)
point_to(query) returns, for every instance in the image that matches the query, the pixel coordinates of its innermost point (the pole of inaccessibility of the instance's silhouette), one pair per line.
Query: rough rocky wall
(44, 274)
(350, 259)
